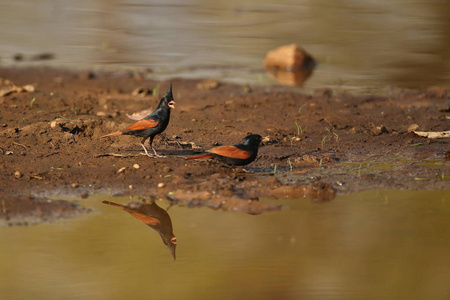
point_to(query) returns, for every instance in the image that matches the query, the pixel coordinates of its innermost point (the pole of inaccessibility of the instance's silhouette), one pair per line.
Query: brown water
(359, 44)
(372, 245)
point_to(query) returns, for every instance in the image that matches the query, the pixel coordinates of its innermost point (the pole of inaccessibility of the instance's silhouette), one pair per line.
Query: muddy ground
(316, 144)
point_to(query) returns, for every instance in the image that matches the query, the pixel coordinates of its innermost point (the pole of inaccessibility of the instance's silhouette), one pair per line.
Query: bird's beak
(172, 104)
(172, 247)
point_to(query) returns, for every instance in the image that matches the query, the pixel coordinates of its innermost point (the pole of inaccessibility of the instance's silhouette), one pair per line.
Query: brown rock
(289, 64)
(288, 57)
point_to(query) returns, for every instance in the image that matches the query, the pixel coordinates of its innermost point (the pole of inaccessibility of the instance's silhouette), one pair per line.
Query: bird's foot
(156, 154)
(147, 154)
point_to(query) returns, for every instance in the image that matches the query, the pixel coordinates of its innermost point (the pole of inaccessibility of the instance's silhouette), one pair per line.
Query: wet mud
(315, 143)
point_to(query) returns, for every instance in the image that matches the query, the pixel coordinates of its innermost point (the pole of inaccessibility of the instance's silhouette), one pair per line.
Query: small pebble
(17, 174)
(74, 185)
(161, 185)
(412, 127)
(136, 166)
(121, 170)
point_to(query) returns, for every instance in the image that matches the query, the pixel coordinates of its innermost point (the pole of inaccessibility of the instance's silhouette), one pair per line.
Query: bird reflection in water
(155, 217)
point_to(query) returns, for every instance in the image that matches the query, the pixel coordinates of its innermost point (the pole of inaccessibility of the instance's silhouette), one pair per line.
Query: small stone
(136, 166)
(18, 174)
(130, 187)
(29, 88)
(310, 159)
(161, 185)
(352, 130)
(266, 139)
(74, 185)
(101, 114)
(412, 127)
(378, 130)
(121, 170)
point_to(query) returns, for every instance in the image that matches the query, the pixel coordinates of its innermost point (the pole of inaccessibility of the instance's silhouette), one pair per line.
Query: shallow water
(372, 245)
(358, 44)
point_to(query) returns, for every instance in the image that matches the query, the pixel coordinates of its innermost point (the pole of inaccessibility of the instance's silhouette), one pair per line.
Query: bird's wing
(230, 151)
(145, 218)
(140, 216)
(142, 124)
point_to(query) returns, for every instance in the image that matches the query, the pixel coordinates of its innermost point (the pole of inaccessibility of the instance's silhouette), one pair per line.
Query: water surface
(358, 44)
(372, 245)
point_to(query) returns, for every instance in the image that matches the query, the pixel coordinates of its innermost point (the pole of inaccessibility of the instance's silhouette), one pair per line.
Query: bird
(152, 125)
(237, 155)
(155, 217)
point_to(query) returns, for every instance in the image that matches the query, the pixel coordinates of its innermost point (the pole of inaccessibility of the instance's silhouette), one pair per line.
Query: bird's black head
(252, 139)
(167, 99)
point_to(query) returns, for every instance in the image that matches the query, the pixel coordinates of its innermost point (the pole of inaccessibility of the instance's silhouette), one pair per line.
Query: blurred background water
(357, 43)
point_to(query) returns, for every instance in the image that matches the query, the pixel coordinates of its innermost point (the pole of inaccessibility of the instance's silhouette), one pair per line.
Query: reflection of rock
(288, 77)
(155, 217)
(246, 199)
(215, 201)
(290, 64)
(317, 191)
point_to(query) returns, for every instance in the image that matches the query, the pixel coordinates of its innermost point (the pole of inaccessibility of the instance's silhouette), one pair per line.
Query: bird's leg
(145, 149)
(151, 147)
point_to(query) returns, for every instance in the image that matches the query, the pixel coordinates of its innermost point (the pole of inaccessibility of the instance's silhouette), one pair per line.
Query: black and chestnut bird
(155, 217)
(237, 155)
(153, 124)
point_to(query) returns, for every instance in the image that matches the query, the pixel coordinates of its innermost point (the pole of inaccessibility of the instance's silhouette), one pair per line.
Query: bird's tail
(149, 220)
(113, 134)
(114, 204)
(204, 156)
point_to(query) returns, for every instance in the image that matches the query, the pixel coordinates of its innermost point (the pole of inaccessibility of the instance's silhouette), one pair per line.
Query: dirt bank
(315, 144)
